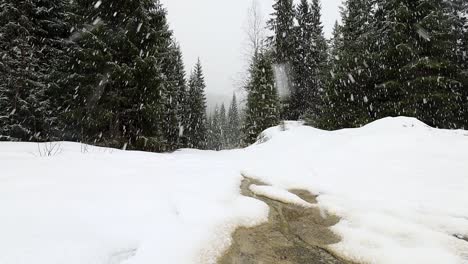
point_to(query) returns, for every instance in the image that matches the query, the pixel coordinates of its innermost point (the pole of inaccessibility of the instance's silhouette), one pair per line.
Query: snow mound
(273, 131)
(396, 123)
(385, 125)
(400, 187)
(91, 205)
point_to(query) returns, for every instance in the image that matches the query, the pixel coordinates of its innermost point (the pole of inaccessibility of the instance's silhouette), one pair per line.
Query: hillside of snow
(399, 186)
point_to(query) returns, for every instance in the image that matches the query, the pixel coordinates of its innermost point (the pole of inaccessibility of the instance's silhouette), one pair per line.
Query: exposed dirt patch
(293, 234)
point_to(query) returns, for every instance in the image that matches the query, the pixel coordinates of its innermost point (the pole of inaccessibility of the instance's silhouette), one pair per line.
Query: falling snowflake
(97, 4)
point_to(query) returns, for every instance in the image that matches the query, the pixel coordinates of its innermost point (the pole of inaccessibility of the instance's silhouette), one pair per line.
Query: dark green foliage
(349, 91)
(174, 116)
(460, 11)
(282, 45)
(215, 131)
(223, 123)
(300, 52)
(309, 63)
(118, 84)
(224, 128)
(402, 58)
(262, 101)
(196, 131)
(110, 72)
(31, 52)
(104, 72)
(233, 133)
(418, 74)
(282, 24)
(335, 44)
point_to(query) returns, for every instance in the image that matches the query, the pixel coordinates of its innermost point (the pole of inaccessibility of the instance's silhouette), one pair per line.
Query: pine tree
(176, 95)
(196, 131)
(216, 130)
(234, 125)
(460, 11)
(336, 44)
(282, 46)
(223, 123)
(327, 119)
(349, 91)
(210, 136)
(282, 24)
(309, 62)
(31, 50)
(118, 87)
(262, 101)
(464, 59)
(418, 73)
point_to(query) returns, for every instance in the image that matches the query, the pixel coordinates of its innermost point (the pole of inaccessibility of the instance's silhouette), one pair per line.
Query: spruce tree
(118, 87)
(460, 10)
(282, 24)
(282, 46)
(336, 44)
(217, 130)
(329, 111)
(176, 95)
(309, 62)
(210, 136)
(418, 73)
(464, 60)
(262, 101)
(32, 37)
(196, 131)
(350, 90)
(234, 125)
(223, 123)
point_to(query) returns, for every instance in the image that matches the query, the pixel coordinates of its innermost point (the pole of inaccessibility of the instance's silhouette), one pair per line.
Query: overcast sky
(214, 31)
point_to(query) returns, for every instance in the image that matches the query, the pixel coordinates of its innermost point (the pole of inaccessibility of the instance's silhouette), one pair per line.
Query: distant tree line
(224, 127)
(387, 58)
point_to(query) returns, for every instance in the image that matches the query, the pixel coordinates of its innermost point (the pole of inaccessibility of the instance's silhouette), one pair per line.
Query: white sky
(214, 31)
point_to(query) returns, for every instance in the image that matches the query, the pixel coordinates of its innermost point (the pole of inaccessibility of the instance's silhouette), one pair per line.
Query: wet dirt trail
(293, 234)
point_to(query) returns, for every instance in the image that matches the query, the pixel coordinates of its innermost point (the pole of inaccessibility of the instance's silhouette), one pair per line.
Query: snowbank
(95, 205)
(400, 187)
(273, 131)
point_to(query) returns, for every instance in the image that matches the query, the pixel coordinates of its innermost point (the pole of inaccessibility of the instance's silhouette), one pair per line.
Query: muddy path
(293, 234)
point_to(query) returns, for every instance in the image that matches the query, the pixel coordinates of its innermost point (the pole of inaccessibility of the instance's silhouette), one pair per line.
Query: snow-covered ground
(400, 187)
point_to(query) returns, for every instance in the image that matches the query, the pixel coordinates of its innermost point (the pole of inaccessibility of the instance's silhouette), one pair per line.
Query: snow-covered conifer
(262, 101)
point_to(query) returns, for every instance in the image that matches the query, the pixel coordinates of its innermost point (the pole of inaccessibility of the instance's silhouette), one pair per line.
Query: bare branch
(254, 29)
(255, 35)
(49, 149)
